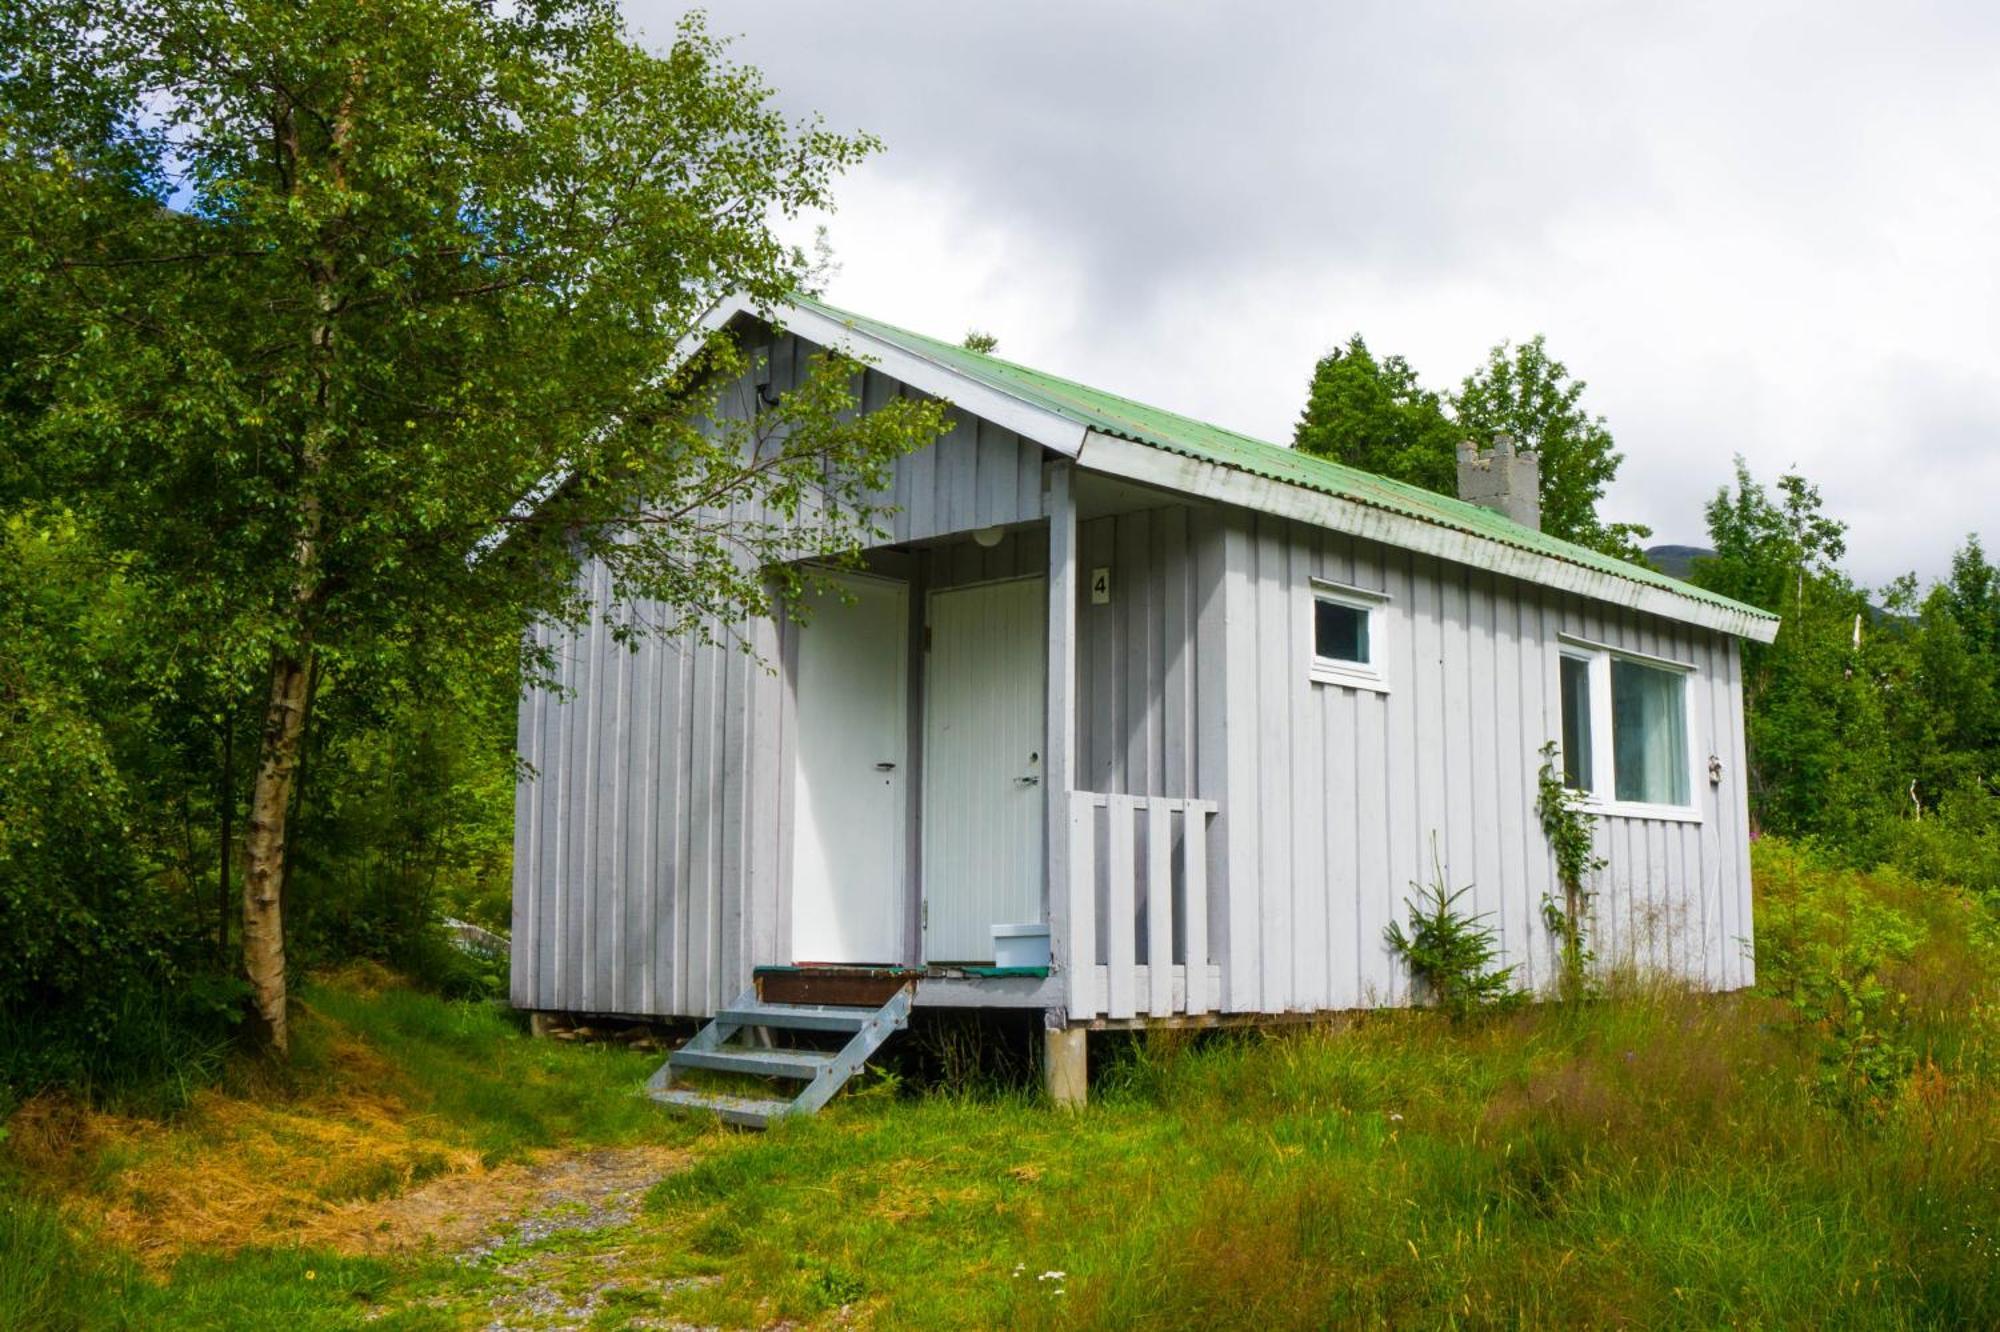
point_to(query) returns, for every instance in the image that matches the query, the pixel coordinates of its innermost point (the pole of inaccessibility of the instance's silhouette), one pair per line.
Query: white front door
(850, 793)
(984, 704)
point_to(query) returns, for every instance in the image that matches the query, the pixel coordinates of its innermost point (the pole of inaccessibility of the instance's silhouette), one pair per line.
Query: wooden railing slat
(1194, 927)
(1136, 826)
(1160, 905)
(1085, 995)
(1121, 946)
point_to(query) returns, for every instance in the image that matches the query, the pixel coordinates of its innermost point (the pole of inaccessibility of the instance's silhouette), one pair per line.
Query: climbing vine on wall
(1567, 827)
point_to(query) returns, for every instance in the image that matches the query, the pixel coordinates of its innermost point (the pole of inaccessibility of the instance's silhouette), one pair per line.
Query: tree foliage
(1874, 719)
(1372, 413)
(308, 297)
(1375, 414)
(1527, 393)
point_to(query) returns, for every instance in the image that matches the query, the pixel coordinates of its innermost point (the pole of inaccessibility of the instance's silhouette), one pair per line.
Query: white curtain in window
(1649, 733)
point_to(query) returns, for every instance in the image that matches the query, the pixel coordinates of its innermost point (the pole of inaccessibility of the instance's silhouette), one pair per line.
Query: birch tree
(320, 290)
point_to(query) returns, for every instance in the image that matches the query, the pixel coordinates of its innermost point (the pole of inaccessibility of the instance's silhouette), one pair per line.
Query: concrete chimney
(1502, 480)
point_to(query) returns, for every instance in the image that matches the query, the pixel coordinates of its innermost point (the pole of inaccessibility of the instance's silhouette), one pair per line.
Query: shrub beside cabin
(1196, 706)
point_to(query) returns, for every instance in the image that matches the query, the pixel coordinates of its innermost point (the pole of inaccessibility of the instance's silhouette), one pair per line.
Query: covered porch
(938, 790)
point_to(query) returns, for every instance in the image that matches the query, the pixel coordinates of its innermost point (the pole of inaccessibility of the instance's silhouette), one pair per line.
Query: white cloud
(1762, 230)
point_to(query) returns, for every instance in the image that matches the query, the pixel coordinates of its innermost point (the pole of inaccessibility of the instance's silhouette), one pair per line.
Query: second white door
(984, 707)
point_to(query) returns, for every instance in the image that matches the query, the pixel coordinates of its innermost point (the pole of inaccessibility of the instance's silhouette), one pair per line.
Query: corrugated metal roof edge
(1368, 487)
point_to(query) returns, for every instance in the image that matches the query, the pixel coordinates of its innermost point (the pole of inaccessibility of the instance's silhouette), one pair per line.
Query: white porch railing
(1138, 907)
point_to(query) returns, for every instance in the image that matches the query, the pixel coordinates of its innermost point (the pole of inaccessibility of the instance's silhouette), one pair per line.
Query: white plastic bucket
(1021, 945)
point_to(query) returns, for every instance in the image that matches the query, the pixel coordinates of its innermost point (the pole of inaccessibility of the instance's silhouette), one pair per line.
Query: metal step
(821, 1072)
(802, 1064)
(797, 1017)
(743, 1111)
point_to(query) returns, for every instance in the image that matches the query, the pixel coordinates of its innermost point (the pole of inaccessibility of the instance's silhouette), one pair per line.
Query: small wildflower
(311, 1275)
(1395, 1118)
(1051, 1276)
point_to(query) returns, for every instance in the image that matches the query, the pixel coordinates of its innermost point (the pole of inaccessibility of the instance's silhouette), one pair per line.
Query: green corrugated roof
(1112, 415)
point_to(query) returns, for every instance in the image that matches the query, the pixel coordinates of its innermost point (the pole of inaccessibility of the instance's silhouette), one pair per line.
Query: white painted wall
(652, 844)
(1331, 796)
(652, 854)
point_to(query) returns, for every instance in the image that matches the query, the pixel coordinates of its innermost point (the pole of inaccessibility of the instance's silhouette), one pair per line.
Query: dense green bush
(1888, 972)
(1958, 844)
(409, 820)
(102, 976)
(121, 782)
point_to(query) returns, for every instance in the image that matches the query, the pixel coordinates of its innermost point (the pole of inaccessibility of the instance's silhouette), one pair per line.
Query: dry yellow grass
(347, 1166)
(455, 1211)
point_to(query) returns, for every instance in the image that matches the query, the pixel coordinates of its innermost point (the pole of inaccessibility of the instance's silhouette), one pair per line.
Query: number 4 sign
(1100, 587)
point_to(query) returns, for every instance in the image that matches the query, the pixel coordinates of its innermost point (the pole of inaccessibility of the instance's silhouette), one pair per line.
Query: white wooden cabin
(1200, 705)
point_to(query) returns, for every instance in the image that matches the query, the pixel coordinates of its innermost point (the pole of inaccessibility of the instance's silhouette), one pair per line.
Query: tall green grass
(49, 1281)
(52, 1279)
(1824, 1150)
(473, 1063)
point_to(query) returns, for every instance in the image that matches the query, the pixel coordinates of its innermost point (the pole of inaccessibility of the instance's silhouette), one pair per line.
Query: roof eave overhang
(1167, 470)
(1199, 477)
(1045, 428)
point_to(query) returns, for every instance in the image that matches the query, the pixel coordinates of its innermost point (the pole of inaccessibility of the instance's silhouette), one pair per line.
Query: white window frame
(1332, 670)
(1603, 755)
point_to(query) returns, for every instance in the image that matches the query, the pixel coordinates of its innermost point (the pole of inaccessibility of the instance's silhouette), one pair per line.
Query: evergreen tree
(1972, 595)
(1862, 720)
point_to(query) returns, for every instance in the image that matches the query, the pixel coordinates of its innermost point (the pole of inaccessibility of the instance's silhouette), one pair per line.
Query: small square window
(1346, 636)
(1340, 632)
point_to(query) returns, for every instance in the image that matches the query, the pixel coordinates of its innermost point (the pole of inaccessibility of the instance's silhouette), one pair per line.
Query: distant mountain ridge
(1677, 561)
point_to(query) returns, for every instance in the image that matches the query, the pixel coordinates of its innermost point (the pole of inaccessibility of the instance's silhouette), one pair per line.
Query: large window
(1649, 733)
(1347, 629)
(1625, 729)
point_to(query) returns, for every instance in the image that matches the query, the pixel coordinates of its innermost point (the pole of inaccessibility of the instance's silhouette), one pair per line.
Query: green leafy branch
(1567, 828)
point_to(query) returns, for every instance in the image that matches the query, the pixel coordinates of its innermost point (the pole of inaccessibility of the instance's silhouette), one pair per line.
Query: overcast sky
(1769, 230)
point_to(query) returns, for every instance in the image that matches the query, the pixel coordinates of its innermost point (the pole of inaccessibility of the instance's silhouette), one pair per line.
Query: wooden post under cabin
(1066, 1066)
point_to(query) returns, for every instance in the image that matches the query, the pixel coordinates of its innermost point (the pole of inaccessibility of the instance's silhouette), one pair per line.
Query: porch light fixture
(989, 537)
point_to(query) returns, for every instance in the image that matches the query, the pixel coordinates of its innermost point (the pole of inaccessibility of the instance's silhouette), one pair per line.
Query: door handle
(1027, 781)
(885, 767)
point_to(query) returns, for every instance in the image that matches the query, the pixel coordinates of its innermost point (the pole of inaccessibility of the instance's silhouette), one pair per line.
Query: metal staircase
(753, 1019)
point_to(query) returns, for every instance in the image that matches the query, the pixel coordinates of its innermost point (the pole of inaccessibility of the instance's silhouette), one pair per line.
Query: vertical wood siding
(651, 839)
(1335, 800)
(645, 828)
(1137, 656)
